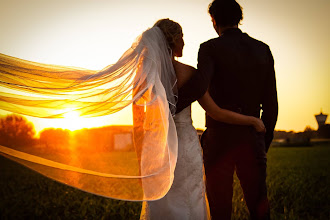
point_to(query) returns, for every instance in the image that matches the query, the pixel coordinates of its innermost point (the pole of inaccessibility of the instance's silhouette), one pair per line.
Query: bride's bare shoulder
(183, 72)
(184, 67)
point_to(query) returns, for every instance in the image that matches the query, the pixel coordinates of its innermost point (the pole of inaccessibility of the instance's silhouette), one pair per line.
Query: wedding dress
(186, 198)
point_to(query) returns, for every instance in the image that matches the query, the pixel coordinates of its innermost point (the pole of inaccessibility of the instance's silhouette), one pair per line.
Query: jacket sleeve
(197, 85)
(269, 102)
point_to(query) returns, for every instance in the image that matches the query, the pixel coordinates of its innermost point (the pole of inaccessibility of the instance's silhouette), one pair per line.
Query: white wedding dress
(187, 198)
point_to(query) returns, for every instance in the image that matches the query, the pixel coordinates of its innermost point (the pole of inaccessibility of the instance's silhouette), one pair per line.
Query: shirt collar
(231, 31)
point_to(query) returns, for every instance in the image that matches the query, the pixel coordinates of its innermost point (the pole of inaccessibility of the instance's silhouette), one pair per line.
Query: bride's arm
(227, 116)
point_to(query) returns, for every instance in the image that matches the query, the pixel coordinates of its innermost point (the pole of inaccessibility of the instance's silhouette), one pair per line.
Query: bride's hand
(258, 124)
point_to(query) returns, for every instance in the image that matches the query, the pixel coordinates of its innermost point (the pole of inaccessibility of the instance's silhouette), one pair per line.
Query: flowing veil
(143, 79)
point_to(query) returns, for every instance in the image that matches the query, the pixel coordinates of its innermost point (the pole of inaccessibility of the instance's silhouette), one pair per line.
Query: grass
(298, 187)
(298, 184)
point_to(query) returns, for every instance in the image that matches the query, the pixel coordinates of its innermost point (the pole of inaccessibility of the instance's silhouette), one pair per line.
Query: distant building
(321, 118)
(323, 130)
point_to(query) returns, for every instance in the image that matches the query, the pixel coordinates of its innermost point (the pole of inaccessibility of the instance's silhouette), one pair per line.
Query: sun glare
(72, 121)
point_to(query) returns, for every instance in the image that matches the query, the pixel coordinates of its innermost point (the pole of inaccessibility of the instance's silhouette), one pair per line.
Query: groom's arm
(270, 103)
(197, 85)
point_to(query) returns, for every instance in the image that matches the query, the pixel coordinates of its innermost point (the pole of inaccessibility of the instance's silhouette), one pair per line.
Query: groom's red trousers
(229, 148)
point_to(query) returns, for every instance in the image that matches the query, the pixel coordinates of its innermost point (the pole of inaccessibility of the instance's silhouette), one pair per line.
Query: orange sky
(93, 34)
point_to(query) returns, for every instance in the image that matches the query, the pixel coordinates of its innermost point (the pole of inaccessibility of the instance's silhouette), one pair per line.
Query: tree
(55, 138)
(16, 131)
(309, 132)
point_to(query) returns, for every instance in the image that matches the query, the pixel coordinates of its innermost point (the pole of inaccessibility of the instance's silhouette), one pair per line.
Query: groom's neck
(221, 30)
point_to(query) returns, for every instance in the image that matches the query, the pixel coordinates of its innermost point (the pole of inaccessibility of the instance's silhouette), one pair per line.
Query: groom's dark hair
(226, 12)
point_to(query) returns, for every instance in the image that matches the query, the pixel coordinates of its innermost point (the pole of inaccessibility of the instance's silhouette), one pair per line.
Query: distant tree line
(18, 133)
(309, 132)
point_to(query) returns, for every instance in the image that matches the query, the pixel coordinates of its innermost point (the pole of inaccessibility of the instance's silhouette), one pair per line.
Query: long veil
(143, 80)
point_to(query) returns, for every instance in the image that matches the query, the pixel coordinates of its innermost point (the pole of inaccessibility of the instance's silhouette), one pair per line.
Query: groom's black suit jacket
(239, 73)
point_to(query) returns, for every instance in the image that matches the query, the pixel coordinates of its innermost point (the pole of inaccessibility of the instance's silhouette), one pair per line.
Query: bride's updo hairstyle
(171, 29)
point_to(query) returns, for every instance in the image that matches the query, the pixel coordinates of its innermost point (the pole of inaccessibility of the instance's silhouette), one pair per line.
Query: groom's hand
(259, 125)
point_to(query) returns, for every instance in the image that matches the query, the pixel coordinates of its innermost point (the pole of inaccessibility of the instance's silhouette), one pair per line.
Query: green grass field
(298, 187)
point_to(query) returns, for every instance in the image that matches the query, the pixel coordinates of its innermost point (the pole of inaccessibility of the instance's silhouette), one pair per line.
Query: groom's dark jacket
(239, 73)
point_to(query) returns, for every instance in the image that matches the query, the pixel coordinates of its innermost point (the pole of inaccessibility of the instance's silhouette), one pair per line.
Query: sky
(94, 33)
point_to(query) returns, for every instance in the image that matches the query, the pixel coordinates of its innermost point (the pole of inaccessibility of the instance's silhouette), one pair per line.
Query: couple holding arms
(236, 73)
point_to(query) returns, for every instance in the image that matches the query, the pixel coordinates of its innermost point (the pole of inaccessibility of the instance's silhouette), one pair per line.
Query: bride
(167, 170)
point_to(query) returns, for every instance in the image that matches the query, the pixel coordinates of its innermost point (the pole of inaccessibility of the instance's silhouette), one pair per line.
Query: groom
(239, 73)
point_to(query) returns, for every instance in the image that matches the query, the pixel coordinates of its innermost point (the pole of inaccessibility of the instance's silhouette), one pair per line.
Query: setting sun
(72, 121)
